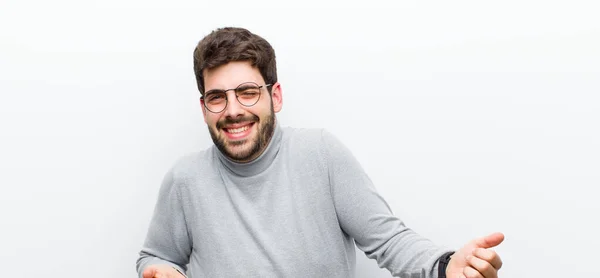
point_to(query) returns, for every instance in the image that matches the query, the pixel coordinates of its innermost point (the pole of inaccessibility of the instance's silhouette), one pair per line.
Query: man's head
(241, 121)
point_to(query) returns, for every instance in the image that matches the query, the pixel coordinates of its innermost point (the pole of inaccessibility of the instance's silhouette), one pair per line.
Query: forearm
(167, 241)
(365, 215)
(406, 254)
(147, 259)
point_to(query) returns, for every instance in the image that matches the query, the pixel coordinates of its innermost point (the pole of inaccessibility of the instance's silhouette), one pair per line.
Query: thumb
(149, 272)
(489, 241)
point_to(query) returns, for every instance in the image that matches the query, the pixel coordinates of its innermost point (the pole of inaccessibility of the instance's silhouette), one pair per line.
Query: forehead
(231, 75)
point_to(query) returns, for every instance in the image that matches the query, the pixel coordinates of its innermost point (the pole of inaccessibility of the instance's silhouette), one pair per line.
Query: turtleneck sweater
(297, 210)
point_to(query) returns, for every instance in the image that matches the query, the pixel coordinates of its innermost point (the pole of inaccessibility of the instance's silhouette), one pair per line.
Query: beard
(256, 144)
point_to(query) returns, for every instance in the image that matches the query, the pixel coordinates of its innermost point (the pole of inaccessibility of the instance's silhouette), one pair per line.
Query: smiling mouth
(237, 129)
(238, 132)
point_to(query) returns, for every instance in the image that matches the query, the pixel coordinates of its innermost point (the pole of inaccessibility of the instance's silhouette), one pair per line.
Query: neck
(259, 162)
(260, 152)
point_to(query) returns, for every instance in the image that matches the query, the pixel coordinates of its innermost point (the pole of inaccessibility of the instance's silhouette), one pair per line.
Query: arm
(167, 241)
(365, 216)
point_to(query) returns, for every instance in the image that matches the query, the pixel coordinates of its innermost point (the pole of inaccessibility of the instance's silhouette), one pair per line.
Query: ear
(277, 97)
(203, 108)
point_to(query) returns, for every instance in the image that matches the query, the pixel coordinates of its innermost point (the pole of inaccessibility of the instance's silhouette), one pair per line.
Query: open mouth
(238, 131)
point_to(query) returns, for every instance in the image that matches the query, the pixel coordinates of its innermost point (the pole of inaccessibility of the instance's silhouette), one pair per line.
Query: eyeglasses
(247, 94)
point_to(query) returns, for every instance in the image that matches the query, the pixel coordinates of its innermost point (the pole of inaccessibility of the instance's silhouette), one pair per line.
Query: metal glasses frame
(236, 95)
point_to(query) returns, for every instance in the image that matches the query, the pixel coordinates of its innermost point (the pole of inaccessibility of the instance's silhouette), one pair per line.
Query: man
(273, 201)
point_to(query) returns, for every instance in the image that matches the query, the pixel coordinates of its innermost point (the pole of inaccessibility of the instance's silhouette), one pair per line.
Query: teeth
(237, 130)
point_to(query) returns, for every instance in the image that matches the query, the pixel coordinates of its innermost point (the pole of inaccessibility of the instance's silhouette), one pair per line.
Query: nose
(234, 109)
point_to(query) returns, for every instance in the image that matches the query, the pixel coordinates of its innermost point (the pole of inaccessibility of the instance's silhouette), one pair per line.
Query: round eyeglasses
(247, 94)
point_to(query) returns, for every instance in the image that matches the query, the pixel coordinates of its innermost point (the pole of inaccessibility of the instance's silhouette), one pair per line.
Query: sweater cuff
(443, 263)
(180, 271)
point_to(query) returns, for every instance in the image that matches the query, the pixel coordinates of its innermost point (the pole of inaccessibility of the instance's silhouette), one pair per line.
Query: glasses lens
(215, 101)
(248, 93)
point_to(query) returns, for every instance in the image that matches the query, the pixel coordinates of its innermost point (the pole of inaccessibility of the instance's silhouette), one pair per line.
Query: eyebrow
(238, 88)
(214, 91)
(247, 87)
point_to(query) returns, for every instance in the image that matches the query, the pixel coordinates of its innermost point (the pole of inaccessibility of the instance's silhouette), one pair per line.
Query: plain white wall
(470, 117)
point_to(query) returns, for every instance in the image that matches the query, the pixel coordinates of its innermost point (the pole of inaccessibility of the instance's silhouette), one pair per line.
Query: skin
(476, 259)
(161, 271)
(248, 145)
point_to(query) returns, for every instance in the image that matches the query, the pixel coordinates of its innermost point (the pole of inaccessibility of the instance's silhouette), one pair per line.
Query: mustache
(249, 118)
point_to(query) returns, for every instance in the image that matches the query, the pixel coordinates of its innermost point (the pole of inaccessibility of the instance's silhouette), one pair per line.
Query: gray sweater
(295, 211)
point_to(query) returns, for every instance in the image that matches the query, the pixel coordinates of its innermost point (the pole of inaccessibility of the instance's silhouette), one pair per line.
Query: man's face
(241, 133)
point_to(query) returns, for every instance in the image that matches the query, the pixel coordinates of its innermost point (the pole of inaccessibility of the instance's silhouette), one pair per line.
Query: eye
(248, 94)
(214, 97)
(247, 89)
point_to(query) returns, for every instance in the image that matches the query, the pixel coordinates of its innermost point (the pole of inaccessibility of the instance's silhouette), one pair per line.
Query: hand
(161, 271)
(476, 260)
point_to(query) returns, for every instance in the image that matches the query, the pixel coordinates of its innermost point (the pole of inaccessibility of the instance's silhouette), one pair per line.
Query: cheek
(211, 120)
(263, 110)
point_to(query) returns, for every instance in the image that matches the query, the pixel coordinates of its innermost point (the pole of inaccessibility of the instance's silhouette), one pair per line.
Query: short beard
(264, 130)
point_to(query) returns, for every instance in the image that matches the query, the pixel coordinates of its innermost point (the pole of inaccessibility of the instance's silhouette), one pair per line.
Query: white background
(470, 117)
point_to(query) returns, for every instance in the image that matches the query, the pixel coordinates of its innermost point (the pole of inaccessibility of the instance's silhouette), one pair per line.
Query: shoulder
(195, 164)
(305, 139)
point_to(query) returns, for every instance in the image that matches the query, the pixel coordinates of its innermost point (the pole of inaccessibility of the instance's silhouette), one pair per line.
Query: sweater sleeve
(167, 240)
(365, 216)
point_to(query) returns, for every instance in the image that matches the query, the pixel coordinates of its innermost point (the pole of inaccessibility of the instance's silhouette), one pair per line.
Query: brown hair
(229, 44)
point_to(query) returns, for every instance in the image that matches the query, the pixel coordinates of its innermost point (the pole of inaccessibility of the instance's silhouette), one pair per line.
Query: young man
(273, 201)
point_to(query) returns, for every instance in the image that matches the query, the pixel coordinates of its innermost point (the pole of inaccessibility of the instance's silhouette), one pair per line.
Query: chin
(241, 152)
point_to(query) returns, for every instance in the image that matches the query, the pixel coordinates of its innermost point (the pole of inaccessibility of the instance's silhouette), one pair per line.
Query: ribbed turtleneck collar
(257, 165)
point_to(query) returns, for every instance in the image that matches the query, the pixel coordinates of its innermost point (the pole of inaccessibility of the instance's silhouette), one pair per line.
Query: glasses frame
(236, 96)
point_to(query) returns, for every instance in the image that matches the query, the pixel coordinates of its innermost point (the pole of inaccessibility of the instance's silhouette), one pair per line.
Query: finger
(470, 272)
(488, 255)
(149, 272)
(483, 267)
(490, 240)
